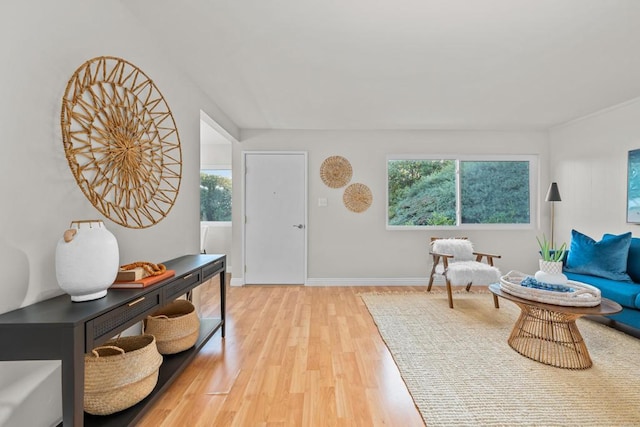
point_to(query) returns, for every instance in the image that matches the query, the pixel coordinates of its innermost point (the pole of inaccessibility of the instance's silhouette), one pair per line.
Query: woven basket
(176, 327)
(583, 295)
(120, 374)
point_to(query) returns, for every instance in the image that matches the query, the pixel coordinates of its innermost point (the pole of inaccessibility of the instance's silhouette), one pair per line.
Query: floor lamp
(553, 195)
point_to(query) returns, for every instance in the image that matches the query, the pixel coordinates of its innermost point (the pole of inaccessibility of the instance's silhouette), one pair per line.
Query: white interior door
(275, 218)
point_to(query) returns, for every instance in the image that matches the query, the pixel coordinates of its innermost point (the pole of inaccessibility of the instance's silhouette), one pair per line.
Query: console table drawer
(211, 269)
(116, 320)
(181, 286)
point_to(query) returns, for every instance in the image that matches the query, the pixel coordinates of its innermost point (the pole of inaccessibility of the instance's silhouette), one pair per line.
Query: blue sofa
(620, 286)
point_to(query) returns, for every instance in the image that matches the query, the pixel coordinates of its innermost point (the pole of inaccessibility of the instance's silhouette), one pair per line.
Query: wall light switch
(322, 202)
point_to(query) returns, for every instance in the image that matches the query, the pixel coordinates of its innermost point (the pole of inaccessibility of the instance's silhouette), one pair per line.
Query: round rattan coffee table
(548, 333)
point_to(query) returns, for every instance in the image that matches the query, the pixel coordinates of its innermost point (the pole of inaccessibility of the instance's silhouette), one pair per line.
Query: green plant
(548, 253)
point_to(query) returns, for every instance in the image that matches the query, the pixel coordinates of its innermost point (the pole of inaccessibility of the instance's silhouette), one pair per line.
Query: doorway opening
(215, 190)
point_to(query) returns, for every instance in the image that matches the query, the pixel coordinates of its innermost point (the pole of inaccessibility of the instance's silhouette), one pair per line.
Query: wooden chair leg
(433, 272)
(449, 295)
(469, 286)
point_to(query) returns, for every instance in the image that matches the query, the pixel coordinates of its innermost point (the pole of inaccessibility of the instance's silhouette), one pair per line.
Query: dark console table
(58, 329)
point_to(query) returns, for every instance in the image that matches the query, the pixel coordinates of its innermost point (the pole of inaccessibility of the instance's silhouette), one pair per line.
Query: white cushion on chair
(461, 249)
(462, 273)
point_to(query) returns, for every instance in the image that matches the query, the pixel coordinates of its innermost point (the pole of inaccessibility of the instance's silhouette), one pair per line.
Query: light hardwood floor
(292, 356)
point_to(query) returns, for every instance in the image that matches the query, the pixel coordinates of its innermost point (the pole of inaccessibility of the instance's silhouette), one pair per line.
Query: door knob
(298, 225)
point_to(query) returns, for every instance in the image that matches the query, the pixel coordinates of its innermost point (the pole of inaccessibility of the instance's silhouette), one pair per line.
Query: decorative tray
(578, 295)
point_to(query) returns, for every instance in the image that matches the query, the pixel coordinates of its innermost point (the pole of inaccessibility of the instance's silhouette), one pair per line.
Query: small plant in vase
(551, 263)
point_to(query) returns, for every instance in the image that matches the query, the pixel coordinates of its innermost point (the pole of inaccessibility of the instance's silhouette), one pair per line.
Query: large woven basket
(120, 374)
(582, 295)
(176, 327)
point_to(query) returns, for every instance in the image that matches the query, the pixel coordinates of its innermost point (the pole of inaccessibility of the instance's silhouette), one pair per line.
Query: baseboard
(362, 281)
(368, 281)
(236, 281)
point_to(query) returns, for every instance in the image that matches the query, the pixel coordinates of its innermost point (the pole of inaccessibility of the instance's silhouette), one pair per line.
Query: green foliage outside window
(494, 192)
(423, 192)
(215, 197)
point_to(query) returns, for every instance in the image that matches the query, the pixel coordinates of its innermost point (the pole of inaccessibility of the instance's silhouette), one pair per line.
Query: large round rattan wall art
(336, 171)
(357, 197)
(121, 142)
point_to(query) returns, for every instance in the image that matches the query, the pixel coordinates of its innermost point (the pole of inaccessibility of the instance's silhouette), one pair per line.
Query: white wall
(589, 162)
(346, 247)
(43, 43)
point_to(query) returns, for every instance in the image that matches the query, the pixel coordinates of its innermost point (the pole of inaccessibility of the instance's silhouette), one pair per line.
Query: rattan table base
(548, 333)
(549, 337)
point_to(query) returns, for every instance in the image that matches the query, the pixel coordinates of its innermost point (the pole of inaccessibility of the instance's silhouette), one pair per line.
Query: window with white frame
(465, 192)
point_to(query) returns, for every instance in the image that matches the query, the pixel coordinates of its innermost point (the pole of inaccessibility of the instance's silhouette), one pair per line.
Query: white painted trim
(364, 281)
(209, 167)
(369, 281)
(237, 281)
(361, 281)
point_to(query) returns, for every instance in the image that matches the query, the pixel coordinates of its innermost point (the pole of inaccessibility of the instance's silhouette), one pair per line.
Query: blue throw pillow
(633, 262)
(606, 258)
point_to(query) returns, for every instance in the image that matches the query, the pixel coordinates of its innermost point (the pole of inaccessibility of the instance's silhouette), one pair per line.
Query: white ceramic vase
(551, 272)
(87, 260)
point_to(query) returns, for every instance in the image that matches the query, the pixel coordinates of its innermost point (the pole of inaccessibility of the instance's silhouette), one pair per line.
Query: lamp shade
(553, 195)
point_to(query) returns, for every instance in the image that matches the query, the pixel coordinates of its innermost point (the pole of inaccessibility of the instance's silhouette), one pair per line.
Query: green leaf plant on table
(551, 263)
(548, 253)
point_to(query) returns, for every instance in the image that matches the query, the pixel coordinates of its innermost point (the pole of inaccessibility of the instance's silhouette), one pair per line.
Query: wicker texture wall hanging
(336, 171)
(357, 197)
(121, 142)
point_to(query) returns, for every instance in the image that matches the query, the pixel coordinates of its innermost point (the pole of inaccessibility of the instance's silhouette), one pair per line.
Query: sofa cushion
(606, 258)
(633, 260)
(627, 294)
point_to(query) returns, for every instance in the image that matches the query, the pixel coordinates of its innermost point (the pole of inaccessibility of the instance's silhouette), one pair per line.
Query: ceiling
(402, 64)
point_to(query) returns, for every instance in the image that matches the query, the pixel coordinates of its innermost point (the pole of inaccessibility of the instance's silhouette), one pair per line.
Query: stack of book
(137, 278)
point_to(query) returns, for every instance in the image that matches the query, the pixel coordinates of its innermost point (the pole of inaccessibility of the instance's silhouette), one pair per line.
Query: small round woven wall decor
(121, 142)
(357, 197)
(336, 171)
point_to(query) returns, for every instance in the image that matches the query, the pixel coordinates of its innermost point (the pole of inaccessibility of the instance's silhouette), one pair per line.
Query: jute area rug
(460, 370)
